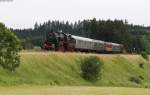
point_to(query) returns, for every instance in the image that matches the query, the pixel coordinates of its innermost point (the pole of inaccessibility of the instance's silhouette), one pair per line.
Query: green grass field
(73, 91)
(63, 69)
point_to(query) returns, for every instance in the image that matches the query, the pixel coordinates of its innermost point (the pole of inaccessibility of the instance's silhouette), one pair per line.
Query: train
(59, 41)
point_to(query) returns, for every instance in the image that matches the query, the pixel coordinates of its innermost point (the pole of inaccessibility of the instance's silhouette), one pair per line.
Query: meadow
(73, 91)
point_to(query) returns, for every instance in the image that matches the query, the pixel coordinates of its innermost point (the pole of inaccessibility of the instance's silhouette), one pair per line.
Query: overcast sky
(24, 13)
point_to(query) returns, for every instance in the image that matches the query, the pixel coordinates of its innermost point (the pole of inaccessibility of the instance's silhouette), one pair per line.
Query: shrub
(141, 77)
(136, 80)
(141, 65)
(145, 55)
(91, 68)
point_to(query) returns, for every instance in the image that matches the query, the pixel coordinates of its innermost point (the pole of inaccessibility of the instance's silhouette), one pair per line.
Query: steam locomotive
(59, 41)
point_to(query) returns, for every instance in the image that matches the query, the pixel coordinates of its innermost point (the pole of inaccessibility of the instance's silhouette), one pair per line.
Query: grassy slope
(64, 69)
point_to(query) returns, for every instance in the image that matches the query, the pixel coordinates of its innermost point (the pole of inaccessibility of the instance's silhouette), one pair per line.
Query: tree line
(135, 38)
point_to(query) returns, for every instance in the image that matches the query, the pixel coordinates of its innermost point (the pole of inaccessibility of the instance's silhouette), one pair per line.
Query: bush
(9, 48)
(141, 65)
(145, 55)
(136, 80)
(91, 68)
(141, 77)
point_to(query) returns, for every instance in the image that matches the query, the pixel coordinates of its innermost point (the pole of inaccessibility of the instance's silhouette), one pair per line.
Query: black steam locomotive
(59, 41)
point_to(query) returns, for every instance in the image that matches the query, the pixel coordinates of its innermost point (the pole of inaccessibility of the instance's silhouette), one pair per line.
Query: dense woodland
(135, 38)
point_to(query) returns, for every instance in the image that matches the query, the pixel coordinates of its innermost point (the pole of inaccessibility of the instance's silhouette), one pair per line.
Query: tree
(145, 44)
(36, 26)
(9, 48)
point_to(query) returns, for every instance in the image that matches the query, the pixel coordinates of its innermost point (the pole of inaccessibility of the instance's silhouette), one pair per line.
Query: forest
(135, 38)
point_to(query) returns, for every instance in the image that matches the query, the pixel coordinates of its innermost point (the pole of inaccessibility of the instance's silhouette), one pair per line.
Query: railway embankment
(63, 69)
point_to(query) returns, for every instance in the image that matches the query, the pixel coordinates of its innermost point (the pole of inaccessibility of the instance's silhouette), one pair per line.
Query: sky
(24, 13)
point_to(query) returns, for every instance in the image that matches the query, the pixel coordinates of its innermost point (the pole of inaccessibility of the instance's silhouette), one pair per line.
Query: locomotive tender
(59, 41)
